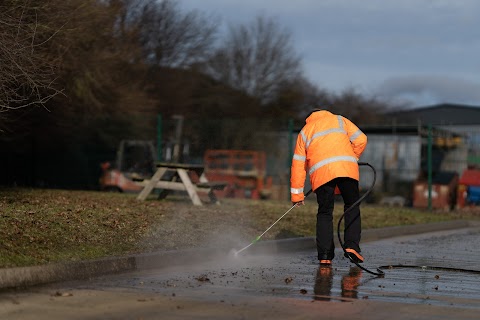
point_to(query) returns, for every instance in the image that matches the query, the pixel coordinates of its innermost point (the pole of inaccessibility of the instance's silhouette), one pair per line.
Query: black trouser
(325, 199)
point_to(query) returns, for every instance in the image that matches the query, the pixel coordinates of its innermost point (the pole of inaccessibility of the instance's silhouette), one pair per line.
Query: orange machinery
(244, 172)
(135, 162)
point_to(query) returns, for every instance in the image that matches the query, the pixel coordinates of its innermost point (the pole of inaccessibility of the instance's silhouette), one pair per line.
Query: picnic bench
(181, 177)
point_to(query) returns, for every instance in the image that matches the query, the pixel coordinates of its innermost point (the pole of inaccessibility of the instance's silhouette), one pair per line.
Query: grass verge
(40, 226)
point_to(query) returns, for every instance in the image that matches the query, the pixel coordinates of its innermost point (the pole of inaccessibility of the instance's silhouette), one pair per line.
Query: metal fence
(429, 153)
(401, 156)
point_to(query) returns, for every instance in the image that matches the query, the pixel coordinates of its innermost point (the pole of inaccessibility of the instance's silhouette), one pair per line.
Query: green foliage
(118, 64)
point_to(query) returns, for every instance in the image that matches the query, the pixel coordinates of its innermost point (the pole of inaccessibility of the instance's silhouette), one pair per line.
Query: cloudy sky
(427, 51)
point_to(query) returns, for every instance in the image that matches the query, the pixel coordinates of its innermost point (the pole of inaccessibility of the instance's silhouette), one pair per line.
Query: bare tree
(257, 59)
(295, 99)
(359, 108)
(171, 38)
(27, 77)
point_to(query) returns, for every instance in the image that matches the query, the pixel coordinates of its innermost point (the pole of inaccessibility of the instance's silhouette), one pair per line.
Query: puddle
(298, 275)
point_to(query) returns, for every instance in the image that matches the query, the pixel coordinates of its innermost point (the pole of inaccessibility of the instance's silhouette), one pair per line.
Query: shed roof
(440, 114)
(407, 130)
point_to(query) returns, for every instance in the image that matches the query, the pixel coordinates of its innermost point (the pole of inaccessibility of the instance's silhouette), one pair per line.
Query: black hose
(379, 272)
(403, 266)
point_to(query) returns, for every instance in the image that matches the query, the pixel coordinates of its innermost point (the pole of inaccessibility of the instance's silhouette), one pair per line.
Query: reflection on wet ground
(298, 275)
(324, 282)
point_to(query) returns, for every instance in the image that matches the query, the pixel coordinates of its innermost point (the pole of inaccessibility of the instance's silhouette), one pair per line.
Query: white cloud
(351, 43)
(432, 88)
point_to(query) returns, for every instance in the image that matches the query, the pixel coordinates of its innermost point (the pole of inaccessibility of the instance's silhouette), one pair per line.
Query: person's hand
(299, 203)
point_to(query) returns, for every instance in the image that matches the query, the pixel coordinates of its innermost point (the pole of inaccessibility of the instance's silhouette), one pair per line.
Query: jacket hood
(318, 115)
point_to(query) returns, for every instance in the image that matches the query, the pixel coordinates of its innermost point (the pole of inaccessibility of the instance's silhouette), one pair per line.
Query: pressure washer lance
(380, 272)
(283, 215)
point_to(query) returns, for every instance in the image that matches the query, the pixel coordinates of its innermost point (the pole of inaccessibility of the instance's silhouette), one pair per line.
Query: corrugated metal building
(454, 120)
(398, 149)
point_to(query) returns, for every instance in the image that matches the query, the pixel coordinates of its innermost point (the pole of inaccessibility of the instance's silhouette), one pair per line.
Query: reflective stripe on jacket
(327, 147)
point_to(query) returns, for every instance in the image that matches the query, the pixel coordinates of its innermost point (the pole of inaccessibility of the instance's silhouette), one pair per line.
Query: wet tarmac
(430, 276)
(440, 269)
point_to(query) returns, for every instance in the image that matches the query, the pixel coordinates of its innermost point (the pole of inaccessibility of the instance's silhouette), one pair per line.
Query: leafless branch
(256, 58)
(170, 38)
(27, 77)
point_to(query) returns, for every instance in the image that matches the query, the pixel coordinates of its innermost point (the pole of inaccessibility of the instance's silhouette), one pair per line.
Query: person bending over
(328, 147)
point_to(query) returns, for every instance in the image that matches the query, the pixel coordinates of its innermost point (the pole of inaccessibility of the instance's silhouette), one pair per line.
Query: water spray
(258, 238)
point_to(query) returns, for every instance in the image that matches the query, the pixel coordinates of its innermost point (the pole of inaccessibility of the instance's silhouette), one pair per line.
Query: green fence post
(290, 143)
(159, 137)
(290, 153)
(429, 166)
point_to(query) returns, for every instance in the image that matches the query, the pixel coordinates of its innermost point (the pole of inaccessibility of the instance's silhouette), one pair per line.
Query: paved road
(287, 285)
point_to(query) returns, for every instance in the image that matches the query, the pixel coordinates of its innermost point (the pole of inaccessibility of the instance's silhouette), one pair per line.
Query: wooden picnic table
(181, 177)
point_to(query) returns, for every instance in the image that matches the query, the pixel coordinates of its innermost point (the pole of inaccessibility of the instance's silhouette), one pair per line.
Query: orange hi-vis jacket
(328, 147)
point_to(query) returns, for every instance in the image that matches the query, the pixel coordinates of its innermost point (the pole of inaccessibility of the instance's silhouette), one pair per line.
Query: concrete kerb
(38, 275)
